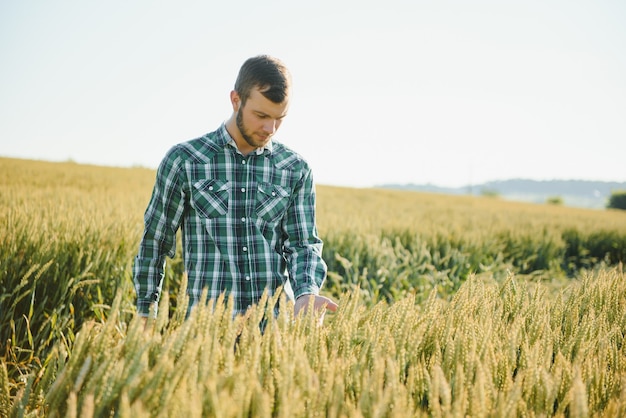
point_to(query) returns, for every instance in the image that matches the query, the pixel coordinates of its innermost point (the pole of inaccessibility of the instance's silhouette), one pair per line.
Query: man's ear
(235, 100)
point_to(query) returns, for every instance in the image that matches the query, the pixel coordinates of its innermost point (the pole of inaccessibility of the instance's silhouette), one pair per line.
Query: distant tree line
(617, 200)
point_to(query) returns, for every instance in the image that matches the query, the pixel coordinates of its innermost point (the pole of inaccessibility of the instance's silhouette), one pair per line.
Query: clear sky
(449, 92)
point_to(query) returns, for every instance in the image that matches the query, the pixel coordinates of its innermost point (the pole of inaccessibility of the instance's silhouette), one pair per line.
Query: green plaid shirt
(248, 223)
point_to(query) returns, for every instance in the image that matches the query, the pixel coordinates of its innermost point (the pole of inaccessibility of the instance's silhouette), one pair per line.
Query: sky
(446, 92)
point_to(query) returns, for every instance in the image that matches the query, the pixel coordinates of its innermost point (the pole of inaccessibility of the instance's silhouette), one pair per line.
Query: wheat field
(449, 306)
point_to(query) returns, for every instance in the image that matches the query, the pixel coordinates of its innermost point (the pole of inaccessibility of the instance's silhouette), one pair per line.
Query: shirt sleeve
(302, 247)
(161, 222)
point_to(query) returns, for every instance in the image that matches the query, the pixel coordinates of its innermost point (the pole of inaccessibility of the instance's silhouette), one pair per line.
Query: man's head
(260, 101)
(269, 75)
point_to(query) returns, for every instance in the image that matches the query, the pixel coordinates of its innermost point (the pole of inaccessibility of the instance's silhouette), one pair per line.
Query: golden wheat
(463, 357)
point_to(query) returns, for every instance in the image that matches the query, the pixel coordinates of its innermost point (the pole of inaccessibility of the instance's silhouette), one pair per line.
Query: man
(245, 205)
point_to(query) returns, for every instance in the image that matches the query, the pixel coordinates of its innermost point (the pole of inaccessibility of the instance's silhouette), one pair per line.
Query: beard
(247, 136)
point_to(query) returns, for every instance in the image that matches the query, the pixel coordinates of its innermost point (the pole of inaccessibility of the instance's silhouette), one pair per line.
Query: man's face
(260, 118)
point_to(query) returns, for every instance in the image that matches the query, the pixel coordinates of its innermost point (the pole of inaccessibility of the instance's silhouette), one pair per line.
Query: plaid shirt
(248, 223)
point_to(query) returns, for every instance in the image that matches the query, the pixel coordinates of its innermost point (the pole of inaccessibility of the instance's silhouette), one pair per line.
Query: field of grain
(448, 306)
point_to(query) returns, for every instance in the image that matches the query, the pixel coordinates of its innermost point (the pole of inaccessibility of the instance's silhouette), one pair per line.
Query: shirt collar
(230, 141)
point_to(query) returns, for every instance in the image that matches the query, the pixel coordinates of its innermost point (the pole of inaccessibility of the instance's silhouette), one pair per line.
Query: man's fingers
(330, 305)
(319, 302)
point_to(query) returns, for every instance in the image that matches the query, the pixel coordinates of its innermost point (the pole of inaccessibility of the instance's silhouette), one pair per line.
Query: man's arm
(161, 222)
(303, 248)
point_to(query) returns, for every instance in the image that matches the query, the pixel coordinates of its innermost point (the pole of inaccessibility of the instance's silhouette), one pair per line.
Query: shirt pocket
(271, 201)
(210, 197)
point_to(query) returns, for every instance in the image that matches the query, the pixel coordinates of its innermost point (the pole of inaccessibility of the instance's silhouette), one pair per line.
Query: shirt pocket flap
(273, 190)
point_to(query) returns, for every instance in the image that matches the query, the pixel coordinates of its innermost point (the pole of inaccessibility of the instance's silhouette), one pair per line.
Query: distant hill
(576, 193)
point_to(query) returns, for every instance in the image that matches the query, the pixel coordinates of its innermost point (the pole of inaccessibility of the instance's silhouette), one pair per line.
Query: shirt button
(248, 278)
(245, 249)
(243, 219)
(273, 193)
(243, 162)
(243, 189)
(210, 187)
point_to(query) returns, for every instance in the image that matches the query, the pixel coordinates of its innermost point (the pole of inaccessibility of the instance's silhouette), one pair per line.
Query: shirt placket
(243, 177)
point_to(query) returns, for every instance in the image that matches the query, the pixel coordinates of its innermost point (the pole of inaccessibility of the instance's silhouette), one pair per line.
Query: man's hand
(320, 303)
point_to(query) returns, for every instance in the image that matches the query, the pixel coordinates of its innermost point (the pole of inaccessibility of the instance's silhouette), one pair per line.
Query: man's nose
(270, 127)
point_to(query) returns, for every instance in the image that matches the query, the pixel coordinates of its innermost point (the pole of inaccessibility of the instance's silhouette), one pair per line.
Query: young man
(245, 205)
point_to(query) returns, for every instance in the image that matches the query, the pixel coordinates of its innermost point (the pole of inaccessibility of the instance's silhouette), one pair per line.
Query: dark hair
(266, 73)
